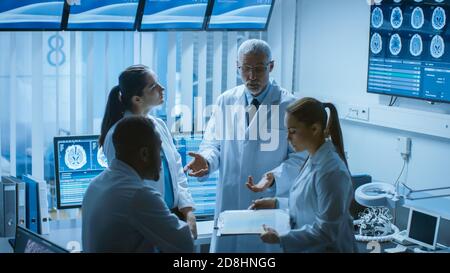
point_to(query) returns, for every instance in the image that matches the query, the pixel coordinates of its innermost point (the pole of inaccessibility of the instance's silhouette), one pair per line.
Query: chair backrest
(358, 180)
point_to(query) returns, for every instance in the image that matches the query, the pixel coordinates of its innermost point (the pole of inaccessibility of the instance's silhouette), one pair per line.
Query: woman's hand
(270, 235)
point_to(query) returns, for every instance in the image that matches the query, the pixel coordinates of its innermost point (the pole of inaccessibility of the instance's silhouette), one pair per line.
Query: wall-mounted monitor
(103, 15)
(31, 14)
(174, 15)
(240, 14)
(409, 49)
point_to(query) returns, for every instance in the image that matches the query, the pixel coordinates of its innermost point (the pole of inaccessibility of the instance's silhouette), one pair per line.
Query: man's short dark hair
(133, 133)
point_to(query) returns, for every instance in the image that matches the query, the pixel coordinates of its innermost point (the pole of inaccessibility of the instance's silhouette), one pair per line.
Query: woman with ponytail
(321, 195)
(137, 93)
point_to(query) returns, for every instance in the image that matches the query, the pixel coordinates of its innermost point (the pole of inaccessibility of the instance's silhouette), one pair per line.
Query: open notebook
(251, 221)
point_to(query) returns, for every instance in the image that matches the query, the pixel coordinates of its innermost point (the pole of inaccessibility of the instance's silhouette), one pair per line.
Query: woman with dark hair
(137, 93)
(320, 197)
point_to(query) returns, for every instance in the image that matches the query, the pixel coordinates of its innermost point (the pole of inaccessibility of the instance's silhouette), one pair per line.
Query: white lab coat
(319, 204)
(182, 196)
(123, 213)
(238, 159)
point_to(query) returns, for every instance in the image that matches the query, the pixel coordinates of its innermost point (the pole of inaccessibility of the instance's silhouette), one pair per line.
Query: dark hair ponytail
(334, 130)
(311, 111)
(113, 113)
(132, 81)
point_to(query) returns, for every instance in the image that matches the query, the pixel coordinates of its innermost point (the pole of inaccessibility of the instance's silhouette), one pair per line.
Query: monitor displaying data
(204, 192)
(174, 14)
(409, 49)
(103, 15)
(31, 14)
(240, 14)
(78, 160)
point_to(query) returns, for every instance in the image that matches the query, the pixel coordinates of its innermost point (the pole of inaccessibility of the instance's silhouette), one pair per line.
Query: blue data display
(174, 14)
(31, 14)
(409, 49)
(79, 161)
(240, 14)
(103, 15)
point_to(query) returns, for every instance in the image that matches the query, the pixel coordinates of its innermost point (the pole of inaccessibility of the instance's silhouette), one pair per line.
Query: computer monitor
(103, 15)
(174, 15)
(204, 192)
(409, 50)
(31, 14)
(27, 241)
(78, 160)
(240, 15)
(423, 228)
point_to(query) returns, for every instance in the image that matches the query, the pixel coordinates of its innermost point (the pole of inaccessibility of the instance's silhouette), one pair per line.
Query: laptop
(27, 241)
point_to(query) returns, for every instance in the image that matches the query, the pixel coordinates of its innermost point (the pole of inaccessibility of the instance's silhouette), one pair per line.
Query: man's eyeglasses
(259, 69)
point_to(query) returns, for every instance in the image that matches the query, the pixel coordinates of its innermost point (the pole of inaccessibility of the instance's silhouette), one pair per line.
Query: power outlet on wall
(404, 146)
(358, 113)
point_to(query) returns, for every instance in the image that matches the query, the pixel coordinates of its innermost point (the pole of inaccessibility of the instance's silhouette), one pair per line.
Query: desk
(67, 234)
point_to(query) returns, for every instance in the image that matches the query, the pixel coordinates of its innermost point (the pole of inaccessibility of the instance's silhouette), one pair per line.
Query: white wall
(332, 66)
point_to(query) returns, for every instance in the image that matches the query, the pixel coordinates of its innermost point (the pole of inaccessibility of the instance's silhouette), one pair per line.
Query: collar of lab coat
(322, 153)
(120, 166)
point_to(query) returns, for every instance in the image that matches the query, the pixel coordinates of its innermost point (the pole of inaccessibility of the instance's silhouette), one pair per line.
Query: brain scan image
(395, 45)
(437, 47)
(396, 18)
(376, 43)
(377, 18)
(439, 18)
(416, 45)
(75, 157)
(101, 158)
(417, 18)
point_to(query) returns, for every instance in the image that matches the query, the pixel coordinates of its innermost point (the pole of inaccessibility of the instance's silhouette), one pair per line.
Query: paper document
(251, 221)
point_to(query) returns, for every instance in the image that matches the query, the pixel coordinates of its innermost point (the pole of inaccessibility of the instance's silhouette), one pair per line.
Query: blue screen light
(31, 14)
(174, 14)
(103, 15)
(240, 14)
(409, 50)
(78, 161)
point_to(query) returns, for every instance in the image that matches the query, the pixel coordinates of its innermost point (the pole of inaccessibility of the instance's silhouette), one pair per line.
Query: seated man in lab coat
(121, 211)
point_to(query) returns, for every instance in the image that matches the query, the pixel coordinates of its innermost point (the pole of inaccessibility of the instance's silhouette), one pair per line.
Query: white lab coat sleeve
(332, 199)
(282, 203)
(184, 195)
(286, 172)
(210, 146)
(151, 217)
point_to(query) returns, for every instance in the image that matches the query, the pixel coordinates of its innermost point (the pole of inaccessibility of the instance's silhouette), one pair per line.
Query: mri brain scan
(439, 18)
(376, 43)
(416, 45)
(437, 47)
(101, 158)
(395, 45)
(396, 18)
(417, 18)
(75, 157)
(377, 18)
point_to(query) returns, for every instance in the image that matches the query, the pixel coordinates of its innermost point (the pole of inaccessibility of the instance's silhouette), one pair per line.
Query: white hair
(254, 46)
